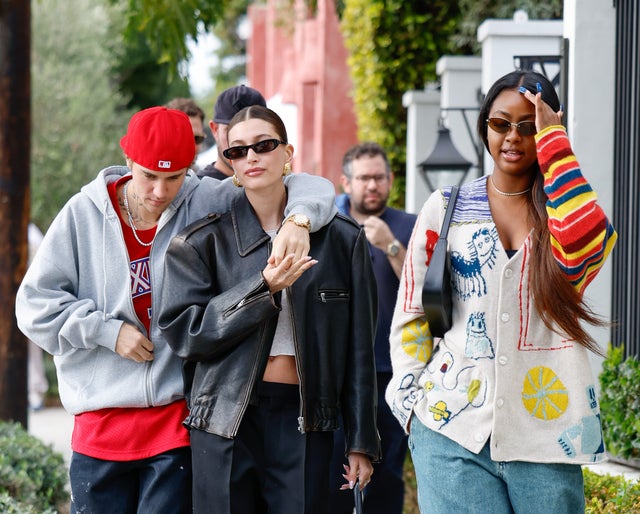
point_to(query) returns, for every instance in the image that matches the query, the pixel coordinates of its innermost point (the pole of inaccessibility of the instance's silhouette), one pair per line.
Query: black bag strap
(444, 230)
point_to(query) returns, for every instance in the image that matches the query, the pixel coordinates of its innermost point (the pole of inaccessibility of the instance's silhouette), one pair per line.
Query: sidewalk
(53, 426)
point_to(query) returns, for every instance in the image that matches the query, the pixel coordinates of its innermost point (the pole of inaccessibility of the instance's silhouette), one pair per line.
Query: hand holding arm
(291, 239)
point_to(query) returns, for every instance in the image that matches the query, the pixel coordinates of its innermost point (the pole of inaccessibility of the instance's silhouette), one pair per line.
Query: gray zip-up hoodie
(76, 293)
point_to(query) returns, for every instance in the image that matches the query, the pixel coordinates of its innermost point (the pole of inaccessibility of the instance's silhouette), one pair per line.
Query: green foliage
(474, 12)
(610, 494)
(393, 46)
(144, 80)
(77, 115)
(165, 24)
(31, 473)
(9, 505)
(620, 404)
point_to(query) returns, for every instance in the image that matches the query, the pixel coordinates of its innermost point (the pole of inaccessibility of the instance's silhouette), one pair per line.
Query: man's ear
(346, 184)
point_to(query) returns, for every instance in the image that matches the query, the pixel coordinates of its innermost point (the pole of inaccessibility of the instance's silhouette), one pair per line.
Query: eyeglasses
(365, 179)
(199, 139)
(502, 126)
(238, 152)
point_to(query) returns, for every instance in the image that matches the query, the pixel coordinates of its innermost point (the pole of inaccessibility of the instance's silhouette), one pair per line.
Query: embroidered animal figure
(478, 344)
(467, 273)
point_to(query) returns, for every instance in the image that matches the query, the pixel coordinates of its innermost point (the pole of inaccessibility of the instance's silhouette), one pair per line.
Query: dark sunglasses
(502, 126)
(199, 139)
(238, 152)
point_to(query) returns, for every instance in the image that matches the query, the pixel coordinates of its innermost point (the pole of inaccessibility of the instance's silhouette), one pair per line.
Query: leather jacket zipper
(297, 357)
(333, 294)
(254, 370)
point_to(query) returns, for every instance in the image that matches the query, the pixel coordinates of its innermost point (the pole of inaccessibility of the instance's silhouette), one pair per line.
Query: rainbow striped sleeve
(581, 235)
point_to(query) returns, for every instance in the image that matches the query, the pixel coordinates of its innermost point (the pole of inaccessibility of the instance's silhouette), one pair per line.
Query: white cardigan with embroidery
(499, 373)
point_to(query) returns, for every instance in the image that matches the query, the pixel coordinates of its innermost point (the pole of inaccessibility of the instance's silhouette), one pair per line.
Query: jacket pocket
(330, 295)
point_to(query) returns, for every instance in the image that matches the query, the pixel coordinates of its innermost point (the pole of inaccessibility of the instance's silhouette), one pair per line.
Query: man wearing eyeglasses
(230, 102)
(366, 180)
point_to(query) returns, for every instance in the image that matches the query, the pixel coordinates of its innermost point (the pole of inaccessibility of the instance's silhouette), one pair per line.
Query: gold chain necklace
(504, 193)
(133, 226)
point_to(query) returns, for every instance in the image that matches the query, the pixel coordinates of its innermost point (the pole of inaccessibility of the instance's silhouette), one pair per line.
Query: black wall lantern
(445, 165)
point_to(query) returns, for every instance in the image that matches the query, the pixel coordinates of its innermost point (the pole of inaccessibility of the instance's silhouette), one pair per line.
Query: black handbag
(436, 290)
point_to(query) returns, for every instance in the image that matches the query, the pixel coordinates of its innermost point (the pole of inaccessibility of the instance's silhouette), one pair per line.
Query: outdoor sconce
(445, 165)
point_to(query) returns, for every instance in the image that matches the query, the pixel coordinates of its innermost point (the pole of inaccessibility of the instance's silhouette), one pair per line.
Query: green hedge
(620, 404)
(610, 494)
(33, 477)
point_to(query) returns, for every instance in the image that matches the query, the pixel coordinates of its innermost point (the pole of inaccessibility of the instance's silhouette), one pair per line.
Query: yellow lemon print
(543, 394)
(417, 340)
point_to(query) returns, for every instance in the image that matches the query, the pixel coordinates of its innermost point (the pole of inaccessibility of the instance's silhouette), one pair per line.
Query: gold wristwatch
(299, 219)
(393, 248)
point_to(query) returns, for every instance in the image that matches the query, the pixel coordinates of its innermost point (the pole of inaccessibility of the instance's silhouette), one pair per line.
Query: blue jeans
(453, 479)
(159, 484)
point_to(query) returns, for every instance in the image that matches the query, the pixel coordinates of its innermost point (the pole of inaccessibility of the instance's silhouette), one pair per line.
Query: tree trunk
(15, 133)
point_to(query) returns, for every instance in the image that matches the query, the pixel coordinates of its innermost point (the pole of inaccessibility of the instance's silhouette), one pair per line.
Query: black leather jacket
(218, 314)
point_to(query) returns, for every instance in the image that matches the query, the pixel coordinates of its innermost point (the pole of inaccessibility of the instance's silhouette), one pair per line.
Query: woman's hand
(545, 115)
(289, 270)
(359, 468)
(291, 239)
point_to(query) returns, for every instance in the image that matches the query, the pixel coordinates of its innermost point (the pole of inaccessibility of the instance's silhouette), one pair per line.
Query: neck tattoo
(133, 226)
(504, 193)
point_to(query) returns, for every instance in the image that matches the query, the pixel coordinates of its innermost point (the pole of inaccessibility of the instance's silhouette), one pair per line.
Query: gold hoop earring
(235, 181)
(287, 169)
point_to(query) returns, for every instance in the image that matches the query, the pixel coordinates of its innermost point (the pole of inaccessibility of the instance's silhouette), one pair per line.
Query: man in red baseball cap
(88, 299)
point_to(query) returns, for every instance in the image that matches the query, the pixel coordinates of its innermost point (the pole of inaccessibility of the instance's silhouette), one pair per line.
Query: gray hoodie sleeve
(310, 195)
(313, 196)
(71, 295)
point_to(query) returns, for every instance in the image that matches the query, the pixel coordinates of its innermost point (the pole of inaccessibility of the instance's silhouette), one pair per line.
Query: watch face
(301, 220)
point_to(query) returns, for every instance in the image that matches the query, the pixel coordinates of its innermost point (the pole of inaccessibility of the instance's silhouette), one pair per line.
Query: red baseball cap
(160, 139)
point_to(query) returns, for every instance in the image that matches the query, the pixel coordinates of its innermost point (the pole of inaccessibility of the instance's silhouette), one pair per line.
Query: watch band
(300, 220)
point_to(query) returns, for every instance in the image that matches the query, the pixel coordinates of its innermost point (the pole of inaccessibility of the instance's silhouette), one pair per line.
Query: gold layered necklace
(504, 193)
(133, 226)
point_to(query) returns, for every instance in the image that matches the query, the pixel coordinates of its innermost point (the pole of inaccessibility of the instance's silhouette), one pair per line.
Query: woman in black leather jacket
(275, 353)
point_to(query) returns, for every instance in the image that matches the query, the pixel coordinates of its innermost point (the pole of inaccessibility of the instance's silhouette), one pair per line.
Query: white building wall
(423, 111)
(590, 27)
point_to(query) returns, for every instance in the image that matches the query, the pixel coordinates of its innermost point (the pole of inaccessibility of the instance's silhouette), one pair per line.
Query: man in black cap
(229, 102)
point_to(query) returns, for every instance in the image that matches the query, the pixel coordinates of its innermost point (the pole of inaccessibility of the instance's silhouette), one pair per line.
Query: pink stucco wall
(304, 59)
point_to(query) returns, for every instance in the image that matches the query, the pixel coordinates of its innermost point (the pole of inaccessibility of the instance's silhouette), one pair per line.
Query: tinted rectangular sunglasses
(502, 126)
(238, 152)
